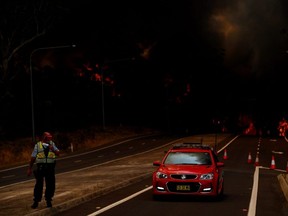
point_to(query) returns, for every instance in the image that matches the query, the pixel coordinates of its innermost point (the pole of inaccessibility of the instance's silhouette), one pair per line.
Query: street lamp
(31, 81)
(102, 84)
(102, 98)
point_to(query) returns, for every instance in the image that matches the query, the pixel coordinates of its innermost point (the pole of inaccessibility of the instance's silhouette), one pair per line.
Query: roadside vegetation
(18, 151)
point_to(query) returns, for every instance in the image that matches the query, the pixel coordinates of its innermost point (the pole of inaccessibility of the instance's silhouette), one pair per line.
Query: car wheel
(220, 195)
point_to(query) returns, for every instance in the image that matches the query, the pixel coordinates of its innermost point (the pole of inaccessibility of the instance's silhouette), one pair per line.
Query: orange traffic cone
(273, 166)
(256, 160)
(225, 157)
(249, 158)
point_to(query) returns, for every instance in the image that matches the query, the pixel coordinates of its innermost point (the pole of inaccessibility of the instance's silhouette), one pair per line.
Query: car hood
(186, 168)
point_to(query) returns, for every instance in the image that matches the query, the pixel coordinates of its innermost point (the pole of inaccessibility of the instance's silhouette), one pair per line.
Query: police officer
(44, 155)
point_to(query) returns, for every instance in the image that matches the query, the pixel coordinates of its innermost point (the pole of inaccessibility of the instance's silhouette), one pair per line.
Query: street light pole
(102, 97)
(31, 82)
(102, 84)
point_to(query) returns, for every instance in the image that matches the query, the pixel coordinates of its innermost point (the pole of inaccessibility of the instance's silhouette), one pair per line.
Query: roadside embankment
(283, 181)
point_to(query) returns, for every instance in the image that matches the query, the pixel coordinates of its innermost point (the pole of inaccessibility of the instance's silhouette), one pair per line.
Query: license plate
(183, 187)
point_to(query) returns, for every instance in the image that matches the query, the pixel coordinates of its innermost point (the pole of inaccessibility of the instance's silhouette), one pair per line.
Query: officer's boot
(34, 205)
(49, 204)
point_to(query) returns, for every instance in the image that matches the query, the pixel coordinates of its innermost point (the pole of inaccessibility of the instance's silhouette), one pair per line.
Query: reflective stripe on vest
(41, 158)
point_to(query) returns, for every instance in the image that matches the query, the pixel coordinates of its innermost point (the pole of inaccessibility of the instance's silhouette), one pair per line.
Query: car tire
(220, 195)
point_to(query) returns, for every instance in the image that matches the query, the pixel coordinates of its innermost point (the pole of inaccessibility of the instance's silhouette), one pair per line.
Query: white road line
(253, 199)
(119, 202)
(77, 161)
(9, 176)
(227, 144)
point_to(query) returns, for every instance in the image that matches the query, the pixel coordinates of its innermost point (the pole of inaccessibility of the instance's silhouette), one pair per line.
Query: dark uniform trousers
(44, 171)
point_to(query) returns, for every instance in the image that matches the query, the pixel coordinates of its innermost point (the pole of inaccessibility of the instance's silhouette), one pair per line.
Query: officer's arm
(54, 149)
(57, 152)
(32, 160)
(29, 171)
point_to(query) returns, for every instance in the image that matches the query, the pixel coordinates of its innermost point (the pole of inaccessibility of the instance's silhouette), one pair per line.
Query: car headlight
(207, 176)
(161, 175)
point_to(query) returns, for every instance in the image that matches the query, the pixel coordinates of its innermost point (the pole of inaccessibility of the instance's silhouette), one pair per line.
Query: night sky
(242, 41)
(250, 34)
(175, 62)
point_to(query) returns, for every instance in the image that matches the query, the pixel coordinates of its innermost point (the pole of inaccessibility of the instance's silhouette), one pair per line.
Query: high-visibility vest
(41, 157)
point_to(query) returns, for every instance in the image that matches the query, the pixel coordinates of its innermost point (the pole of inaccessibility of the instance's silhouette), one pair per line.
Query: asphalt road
(235, 202)
(108, 180)
(99, 155)
(239, 184)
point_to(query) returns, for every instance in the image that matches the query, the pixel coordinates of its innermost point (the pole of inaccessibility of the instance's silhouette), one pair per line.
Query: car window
(194, 158)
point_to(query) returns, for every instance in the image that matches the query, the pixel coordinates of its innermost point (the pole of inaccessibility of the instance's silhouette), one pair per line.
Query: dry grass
(18, 152)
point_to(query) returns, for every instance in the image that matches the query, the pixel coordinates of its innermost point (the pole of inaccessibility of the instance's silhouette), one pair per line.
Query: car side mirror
(220, 164)
(156, 163)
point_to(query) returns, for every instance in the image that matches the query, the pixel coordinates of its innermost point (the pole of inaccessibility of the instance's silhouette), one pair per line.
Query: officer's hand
(29, 171)
(51, 147)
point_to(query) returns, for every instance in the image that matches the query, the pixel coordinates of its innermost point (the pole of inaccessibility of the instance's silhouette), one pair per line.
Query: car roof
(191, 147)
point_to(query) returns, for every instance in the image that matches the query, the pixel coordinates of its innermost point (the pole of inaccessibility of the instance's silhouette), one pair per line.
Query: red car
(189, 169)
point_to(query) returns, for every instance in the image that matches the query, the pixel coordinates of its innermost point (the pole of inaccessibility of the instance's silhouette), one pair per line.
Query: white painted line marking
(8, 176)
(77, 161)
(277, 152)
(253, 199)
(119, 202)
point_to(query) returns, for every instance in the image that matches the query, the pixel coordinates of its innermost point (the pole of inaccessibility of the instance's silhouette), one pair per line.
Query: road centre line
(120, 202)
(227, 144)
(253, 199)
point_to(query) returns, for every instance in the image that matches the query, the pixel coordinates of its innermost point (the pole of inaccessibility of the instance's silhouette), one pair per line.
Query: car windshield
(190, 158)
